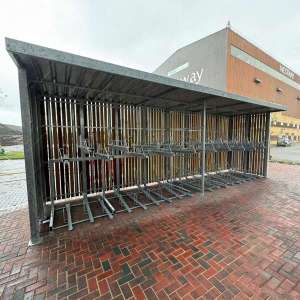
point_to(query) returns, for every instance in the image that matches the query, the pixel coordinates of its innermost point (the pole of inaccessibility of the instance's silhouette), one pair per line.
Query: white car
(284, 141)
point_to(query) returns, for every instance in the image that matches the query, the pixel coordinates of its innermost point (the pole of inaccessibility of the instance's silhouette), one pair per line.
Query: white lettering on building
(284, 70)
(192, 77)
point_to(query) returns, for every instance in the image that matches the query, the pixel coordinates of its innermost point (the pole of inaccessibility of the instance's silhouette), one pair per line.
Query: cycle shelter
(100, 139)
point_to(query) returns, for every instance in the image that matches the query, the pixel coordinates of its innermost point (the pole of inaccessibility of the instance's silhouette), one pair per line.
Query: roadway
(291, 153)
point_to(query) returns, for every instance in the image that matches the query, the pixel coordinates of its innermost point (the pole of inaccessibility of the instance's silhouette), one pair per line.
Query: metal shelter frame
(95, 129)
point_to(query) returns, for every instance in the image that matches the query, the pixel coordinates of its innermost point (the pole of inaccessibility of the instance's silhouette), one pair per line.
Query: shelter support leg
(267, 145)
(68, 209)
(31, 165)
(101, 201)
(86, 204)
(148, 195)
(123, 202)
(52, 191)
(136, 201)
(203, 147)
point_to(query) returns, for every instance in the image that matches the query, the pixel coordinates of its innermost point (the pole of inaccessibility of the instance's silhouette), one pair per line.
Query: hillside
(7, 130)
(10, 135)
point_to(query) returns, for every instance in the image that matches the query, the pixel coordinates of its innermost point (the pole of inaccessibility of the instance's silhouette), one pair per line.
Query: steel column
(267, 145)
(84, 166)
(31, 165)
(203, 146)
(248, 135)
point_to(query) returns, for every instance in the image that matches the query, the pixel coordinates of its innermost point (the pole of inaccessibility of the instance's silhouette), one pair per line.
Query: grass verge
(12, 155)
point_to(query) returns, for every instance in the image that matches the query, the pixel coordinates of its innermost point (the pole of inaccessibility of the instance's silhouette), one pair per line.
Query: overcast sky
(139, 34)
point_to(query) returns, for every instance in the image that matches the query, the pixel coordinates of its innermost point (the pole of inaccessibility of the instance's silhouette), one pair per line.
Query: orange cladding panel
(240, 77)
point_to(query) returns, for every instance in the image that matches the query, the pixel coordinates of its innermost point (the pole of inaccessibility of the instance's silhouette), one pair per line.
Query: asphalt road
(291, 153)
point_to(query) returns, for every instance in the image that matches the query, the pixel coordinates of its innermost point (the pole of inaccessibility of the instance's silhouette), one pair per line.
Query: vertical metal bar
(168, 163)
(203, 146)
(262, 130)
(267, 145)
(145, 139)
(248, 134)
(52, 192)
(40, 156)
(117, 160)
(83, 175)
(61, 116)
(56, 146)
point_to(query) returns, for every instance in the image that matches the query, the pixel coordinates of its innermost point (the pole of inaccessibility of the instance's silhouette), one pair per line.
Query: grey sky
(139, 34)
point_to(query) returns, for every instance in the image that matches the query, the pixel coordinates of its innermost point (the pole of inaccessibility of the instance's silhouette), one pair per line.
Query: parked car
(284, 141)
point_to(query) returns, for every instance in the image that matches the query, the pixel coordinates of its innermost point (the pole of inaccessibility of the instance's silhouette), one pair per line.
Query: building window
(250, 60)
(257, 80)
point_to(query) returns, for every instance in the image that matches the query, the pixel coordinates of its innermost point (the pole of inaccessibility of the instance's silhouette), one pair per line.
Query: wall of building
(240, 80)
(241, 75)
(202, 62)
(209, 62)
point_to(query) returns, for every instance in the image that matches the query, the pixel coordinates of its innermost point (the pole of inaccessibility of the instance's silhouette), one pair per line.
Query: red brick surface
(241, 243)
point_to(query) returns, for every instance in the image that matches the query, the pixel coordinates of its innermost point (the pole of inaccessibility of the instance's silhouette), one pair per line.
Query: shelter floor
(241, 242)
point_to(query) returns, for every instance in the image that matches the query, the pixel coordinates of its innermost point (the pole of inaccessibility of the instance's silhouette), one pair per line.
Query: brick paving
(238, 243)
(13, 193)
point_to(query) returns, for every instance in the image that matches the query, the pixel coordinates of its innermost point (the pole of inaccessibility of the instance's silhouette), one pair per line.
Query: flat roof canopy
(61, 74)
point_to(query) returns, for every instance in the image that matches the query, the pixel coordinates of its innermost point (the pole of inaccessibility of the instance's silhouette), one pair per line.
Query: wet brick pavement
(13, 193)
(240, 244)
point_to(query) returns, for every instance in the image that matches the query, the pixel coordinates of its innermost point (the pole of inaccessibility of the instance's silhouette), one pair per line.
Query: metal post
(29, 127)
(84, 165)
(248, 134)
(230, 136)
(117, 138)
(52, 192)
(167, 138)
(267, 145)
(203, 146)
(36, 109)
(145, 141)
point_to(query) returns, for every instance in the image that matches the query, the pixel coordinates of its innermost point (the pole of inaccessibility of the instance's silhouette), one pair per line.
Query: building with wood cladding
(227, 61)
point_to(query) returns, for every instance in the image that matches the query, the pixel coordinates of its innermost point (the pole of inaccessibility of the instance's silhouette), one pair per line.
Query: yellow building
(284, 125)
